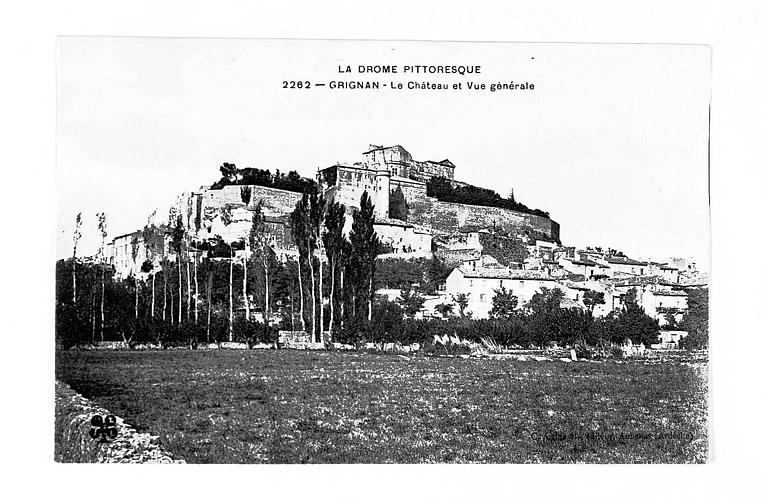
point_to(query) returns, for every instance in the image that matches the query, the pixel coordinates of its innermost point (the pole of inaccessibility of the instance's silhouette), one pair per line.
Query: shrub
(71, 330)
(250, 332)
(354, 332)
(695, 340)
(219, 331)
(583, 351)
(192, 334)
(433, 349)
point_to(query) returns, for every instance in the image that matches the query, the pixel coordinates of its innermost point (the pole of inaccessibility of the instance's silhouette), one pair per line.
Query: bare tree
(75, 239)
(197, 290)
(231, 297)
(134, 256)
(226, 218)
(189, 275)
(245, 196)
(152, 248)
(259, 241)
(208, 302)
(299, 231)
(103, 230)
(316, 211)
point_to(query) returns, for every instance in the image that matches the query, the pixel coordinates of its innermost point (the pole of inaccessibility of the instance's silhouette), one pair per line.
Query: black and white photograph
(319, 251)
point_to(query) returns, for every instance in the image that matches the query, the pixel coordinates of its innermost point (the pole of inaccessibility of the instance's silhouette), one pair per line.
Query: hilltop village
(485, 242)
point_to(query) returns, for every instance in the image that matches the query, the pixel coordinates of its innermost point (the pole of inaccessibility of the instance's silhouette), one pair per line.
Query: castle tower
(381, 195)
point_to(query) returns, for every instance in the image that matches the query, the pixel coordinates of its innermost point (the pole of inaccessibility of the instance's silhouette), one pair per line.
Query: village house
(480, 286)
(576, 291)
(583, 266)
(669, 340)
(669, 273)
(625, 265)
(659, 300)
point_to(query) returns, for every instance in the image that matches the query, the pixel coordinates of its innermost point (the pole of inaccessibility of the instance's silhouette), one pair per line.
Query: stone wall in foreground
(73, 444)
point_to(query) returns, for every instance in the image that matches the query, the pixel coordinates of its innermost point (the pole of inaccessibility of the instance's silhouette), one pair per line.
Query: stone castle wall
(274, 202)
(277, 205)
(454, 256)
(448, 217)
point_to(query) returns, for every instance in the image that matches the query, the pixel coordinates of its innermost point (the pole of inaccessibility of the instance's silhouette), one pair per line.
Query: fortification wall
(454, 256)
(403, 238)
(448, 217)
(274, 202)
(424, 211)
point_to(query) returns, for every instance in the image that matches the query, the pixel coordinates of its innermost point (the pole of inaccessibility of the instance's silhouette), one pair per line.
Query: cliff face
(276, 205)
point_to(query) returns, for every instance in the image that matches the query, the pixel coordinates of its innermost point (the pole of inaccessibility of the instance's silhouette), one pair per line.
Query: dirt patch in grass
(329, 407)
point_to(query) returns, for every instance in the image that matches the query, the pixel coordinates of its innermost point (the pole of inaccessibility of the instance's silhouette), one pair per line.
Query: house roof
(624, 260)
(584, 262)
(126, 235)
(667, 292)
(445, 162)
(505, 273)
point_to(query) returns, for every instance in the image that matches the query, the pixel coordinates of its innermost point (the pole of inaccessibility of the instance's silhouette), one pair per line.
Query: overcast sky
(612, 141)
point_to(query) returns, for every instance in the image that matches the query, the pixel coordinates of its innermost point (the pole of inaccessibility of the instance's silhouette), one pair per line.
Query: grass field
(328, 407)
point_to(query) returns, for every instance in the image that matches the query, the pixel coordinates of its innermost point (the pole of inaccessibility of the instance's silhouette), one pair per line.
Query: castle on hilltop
(390, 175)
(407, 219)
(421, 210)
(382, 170)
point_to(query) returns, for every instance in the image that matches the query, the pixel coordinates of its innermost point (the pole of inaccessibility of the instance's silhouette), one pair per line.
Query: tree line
(291, 181)
(537, 324)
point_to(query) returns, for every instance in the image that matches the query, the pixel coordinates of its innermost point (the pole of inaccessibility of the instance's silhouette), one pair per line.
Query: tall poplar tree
(299, 230)
(258, 241)
(316, 216)
(177, 244)
(365, 248)
(333, 240)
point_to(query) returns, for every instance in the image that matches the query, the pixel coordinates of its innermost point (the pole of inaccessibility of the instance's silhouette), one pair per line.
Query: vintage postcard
(319, 251)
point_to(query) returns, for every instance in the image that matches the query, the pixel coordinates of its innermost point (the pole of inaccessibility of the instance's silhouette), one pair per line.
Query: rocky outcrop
(73, 443)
